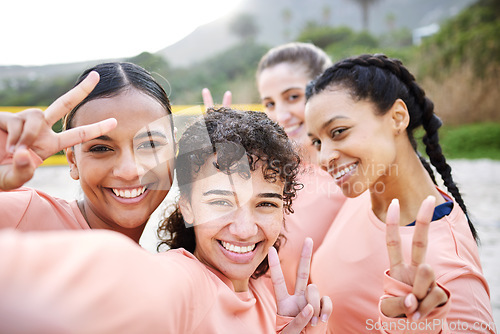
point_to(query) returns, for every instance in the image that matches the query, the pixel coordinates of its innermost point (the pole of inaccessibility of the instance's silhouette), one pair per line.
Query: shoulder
(31, 209)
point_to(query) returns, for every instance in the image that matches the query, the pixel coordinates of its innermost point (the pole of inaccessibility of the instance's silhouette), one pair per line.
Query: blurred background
(452, 47)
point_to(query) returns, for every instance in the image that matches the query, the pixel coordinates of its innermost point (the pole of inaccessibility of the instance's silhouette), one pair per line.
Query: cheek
(271, 115)
(273, 228)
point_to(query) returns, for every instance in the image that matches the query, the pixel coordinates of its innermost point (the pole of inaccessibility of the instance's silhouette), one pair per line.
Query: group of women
(329, 178)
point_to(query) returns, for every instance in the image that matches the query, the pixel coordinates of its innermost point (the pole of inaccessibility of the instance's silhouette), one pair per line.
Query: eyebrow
(148, 134)
(327, 123)
(103, 137)
(283, 92)
(232, 193)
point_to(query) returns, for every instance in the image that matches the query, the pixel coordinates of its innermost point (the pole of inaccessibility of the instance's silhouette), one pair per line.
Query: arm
(91, 282)
(458, 303)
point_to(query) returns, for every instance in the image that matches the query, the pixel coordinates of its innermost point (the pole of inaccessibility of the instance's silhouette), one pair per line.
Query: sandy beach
(478, 180)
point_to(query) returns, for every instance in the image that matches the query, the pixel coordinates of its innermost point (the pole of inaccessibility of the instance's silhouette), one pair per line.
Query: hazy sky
(38, 32)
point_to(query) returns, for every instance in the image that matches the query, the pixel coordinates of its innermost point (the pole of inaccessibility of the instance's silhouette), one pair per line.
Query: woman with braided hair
(361, 114)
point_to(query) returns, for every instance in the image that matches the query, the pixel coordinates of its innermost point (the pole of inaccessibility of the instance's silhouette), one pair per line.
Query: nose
(127, 167)
(282, 113)
(327, 157)
(244, 225)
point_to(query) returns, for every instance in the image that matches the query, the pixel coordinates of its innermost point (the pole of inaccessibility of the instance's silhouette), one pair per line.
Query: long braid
(378, 79)
(431, 123)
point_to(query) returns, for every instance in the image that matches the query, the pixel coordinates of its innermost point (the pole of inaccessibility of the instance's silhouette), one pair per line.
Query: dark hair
(115, 78)
(311, 58)
(231, 134)
(383, 80)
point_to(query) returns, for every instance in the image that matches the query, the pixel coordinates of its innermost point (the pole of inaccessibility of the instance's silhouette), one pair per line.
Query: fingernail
(408, 301)
(12, 148)
(314, 321)
(324, 318)
(416, 316)
(395, 201)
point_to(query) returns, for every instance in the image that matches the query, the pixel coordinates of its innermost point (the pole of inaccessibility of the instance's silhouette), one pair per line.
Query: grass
(469, 141)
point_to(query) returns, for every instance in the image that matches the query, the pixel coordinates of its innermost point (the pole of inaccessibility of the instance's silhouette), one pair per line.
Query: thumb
(300, 321)
(19, 172)
(393, 307)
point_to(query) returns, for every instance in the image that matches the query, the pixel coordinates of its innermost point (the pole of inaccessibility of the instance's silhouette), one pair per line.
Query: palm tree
(365, 6)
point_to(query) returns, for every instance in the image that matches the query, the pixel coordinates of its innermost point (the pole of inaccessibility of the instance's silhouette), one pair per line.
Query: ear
(399, 116)
(73, 168)
(186, 210)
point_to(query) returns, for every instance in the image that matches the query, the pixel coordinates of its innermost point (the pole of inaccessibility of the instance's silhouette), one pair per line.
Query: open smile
(242, 253)
(293, 130)
(343, 171)
(130, 195)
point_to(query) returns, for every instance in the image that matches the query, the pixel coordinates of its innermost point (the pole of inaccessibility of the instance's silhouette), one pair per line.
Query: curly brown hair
(231, 134)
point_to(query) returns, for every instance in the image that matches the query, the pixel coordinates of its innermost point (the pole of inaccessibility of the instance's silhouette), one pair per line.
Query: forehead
(131, 108)
(209, 177)
(282, 76)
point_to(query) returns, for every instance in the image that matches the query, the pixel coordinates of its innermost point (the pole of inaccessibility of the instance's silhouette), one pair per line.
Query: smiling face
(235, 220)
(282, 91)
(126, 173)
(356, 146)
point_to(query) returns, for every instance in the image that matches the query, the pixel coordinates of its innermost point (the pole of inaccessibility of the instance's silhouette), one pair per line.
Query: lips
(293, 130)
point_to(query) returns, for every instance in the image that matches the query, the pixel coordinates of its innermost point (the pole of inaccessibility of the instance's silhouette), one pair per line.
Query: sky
(40, 32)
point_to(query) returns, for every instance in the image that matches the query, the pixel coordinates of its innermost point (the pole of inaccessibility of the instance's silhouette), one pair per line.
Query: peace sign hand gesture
(208, 101)
(426, 295)
(32, 129)
(305, 304)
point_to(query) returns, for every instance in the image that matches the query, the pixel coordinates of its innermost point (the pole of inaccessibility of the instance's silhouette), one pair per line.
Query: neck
(96, 222)
(409, 182)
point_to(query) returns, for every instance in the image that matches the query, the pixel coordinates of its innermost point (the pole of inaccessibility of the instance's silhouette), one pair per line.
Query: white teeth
(127, 193)
(344, 171)
(237, 249)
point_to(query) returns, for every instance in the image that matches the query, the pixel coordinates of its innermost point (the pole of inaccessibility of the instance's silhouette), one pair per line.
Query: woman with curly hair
(237, 178)
(361, 114)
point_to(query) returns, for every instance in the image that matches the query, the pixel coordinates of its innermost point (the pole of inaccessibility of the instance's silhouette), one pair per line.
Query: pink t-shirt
(349, 267)
(103, 282)
(28, 209)
(315, 208)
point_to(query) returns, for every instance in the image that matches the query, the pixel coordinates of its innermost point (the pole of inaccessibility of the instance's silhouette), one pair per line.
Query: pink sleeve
(95, 282)
(282, 322)
(433, 323)
(470, 310)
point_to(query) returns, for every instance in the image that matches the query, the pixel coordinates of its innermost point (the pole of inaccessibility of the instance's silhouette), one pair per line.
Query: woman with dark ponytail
(361, 114)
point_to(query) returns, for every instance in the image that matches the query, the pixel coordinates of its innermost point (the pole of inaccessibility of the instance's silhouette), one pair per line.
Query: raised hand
(208, 101)
(32, 129)
(426, 295)
(305, 304)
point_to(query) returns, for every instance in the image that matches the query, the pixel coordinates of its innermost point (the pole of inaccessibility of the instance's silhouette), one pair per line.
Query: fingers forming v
(208, 101)
(393, 238)
(304, 266)
(64, 104)
(277, 277)
(420, 236)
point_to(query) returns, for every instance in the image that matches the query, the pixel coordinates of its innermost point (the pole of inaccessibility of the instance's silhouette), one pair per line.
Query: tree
(365, 7)
(244, 27)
